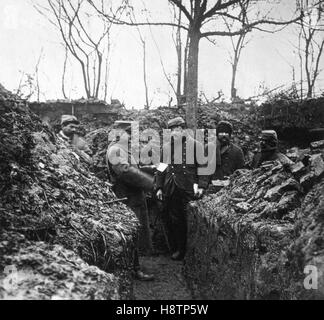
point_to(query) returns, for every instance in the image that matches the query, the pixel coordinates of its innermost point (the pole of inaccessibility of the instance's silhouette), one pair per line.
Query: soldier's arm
(118, 160)
(137, 178)
(240, 161)
(130, 175)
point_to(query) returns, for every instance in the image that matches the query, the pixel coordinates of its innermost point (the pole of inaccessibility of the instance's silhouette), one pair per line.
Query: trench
(169, 283)
(250, 241)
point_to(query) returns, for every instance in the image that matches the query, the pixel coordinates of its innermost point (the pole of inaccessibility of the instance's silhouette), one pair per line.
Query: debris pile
(49, 195)
(253, 239)
(43, 271)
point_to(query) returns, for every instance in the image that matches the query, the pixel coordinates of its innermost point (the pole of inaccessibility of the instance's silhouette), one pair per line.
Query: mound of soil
(48, 194)
(41, 271)
(256, 238)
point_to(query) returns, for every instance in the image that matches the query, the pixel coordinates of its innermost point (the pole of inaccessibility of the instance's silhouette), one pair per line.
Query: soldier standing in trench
(69, 134)
(231, 155)
(177, 184)
(269, 150)
(131, 183)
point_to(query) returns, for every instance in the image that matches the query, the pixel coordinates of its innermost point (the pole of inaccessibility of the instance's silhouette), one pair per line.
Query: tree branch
(248, 27)
(217, 7)
(126, 23)
(179, 4)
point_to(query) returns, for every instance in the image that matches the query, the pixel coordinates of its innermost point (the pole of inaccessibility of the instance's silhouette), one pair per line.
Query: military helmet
(269, 140)
(123, 125)
(175, 122)
(269, 135)
(67, 119)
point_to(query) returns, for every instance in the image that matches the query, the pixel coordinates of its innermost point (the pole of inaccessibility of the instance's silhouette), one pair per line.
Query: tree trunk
(233, 89)
(192, 79)
(107, 69)
(179, 55)
(179, 75)
(64, 72)
(147, 106)
(185, 67)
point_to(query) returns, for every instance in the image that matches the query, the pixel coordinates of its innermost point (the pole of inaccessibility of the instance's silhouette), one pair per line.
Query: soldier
(69, 134)
(269, 150)
(231, 155)
(177, 184)
(248, 155)
(131, 183)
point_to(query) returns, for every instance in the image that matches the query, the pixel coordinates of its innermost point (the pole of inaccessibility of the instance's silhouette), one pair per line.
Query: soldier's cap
(224, 126)
(123, 125)
(270, 135)
(67, 119)
(175, 122)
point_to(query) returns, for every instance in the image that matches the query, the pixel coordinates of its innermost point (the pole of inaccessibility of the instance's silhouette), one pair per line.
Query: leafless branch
(248, 27)
(128, 23)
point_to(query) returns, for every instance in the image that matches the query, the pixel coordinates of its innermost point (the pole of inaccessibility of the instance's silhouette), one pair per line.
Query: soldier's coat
(128, 181)
(183, 175)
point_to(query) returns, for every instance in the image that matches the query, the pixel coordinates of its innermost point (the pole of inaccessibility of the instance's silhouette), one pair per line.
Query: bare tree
(178, 44)
(147, 103)
(166, 75)
(143, 43)
(37, 85)
(201, 16)
(238, 43)
(64, 72)
(107, 62)
(181, 50)
(175, 84)
(310, 42)
(85, 36)
(29, 84)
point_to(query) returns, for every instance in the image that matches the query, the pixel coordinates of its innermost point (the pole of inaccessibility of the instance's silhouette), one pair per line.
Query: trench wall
(240, 255)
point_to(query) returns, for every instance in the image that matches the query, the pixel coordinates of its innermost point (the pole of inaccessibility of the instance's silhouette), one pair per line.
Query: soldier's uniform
(177, 183)
(231, 155)
(232, 158)
(131, 183)
(269, 150)
(78, 144)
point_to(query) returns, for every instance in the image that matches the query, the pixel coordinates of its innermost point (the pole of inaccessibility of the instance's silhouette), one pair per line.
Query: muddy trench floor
(169, 283)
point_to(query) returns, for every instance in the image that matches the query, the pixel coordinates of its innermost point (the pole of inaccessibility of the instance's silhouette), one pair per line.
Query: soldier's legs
(139, 211)
(164, 215)
(144, 242)
(138, 273)
(177, 209)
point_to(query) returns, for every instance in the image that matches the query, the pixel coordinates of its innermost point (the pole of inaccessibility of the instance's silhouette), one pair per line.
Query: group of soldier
(173, 184)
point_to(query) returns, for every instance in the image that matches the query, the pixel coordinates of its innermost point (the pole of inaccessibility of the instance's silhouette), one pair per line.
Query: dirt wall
(52, 205)
(253, 239)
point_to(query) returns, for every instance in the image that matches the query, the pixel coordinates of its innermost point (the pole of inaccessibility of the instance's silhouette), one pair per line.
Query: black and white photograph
(161, 154)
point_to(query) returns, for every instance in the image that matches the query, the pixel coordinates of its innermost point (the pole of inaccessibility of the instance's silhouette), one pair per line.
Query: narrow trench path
(169, 283)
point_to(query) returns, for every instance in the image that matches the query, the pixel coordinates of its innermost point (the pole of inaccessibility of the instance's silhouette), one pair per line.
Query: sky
(25, 35)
